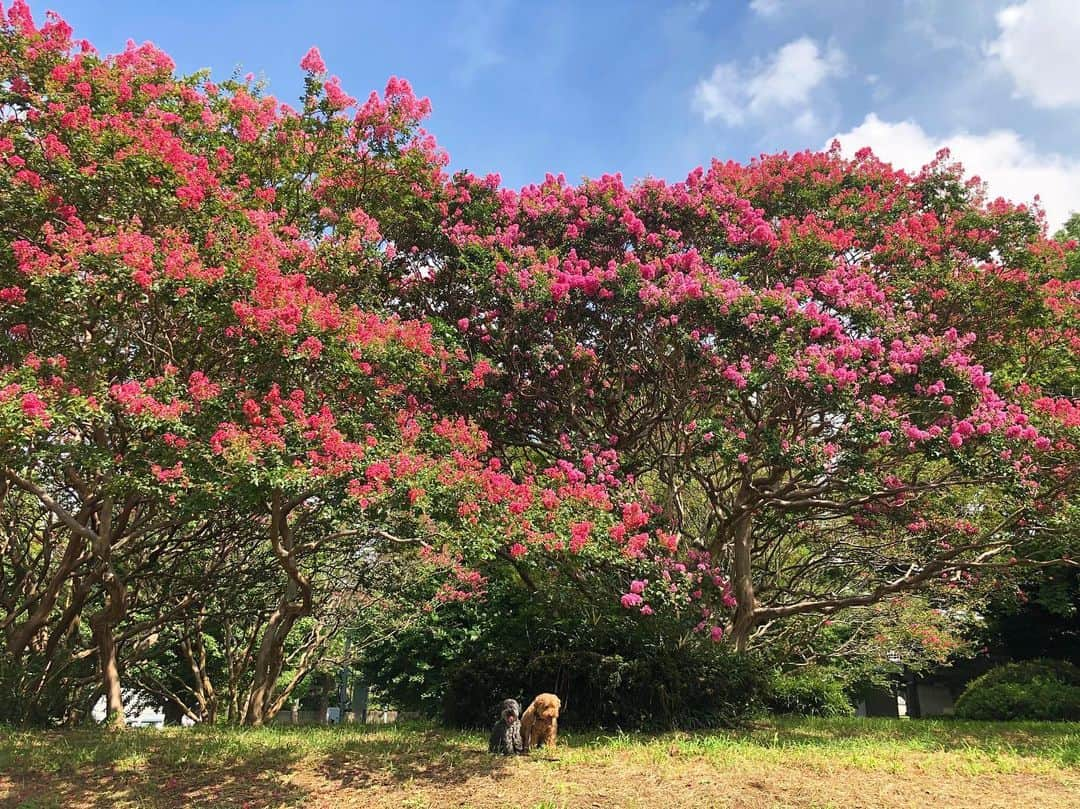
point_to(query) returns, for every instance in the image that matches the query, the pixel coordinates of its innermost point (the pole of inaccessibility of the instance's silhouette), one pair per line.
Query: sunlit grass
(862, 743)
(226, 766)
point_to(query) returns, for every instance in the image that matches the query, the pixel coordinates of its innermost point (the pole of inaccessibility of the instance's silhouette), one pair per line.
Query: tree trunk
(194, 650)
(324, 703)
(270, 659)
(22, 635)
(174, 714)
(267, 663)
(743, 582)
(110, 676)
(103, 623)
(294, 603)
(360, 702)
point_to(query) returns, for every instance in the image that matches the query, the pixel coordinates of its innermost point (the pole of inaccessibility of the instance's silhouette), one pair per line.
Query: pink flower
(646, 610)
(311, 347)
(517, 550)
(201, 388)
(579, 535)
(313, 62)
(166, 475)
(463, 324)
(630, 600)
(33, 407)
(379, 471)
(716, 634)
(13, 295)
(637, 586)
(173, 440)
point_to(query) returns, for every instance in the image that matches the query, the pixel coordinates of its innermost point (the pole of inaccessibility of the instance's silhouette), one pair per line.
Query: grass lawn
(773, 763)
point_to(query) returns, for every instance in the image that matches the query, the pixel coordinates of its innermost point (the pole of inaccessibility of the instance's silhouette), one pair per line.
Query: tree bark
(324, 702)
(104, 622)
(294, 603)
(110, 676)
(268, 661)
(742, 580)
(22, 635)
(194, 650)
(742, 583)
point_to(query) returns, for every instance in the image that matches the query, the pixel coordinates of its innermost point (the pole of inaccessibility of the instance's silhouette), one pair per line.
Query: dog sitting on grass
(540, 722)
(506, 735)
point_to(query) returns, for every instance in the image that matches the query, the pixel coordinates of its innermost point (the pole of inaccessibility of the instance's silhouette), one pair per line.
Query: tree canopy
(243, 339)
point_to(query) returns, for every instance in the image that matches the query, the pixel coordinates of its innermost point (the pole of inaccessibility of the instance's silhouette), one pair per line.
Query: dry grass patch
(774, 763)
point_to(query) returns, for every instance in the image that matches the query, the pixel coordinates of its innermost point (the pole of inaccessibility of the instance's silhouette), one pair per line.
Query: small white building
(139, 713)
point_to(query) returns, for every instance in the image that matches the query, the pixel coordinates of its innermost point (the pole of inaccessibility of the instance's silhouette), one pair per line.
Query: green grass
(411, 763)
(865, 742)
(869, 743)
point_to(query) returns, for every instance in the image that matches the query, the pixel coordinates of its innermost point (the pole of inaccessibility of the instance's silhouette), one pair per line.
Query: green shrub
(569, 635)
(813, 692)
(1034, 690)
(693, 686)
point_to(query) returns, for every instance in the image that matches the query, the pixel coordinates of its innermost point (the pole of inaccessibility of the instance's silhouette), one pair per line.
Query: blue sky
(655, 88)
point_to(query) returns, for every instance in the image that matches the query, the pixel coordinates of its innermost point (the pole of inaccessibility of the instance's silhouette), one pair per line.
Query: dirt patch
(806, 764)
(476, 780)
(698, 783)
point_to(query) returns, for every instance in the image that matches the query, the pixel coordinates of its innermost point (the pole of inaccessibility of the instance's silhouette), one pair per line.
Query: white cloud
(721, 95)
(933, 22)
(784, 82)
(475, 37)
(1012, 167)
(766, 8)
(1039, 47)
(806, 122)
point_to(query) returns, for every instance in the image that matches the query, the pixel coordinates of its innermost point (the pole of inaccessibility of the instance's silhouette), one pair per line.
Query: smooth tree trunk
(740, 533)
(110, 676)
(194, 650)
(22, 635)
(268, 663)
(294, 604)
(742, 585)
(104, 622)
(324, 705)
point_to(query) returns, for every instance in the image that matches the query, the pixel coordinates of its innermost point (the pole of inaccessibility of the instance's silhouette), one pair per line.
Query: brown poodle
(540, 722)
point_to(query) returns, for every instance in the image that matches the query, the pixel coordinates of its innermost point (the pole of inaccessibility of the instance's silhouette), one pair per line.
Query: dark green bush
(1034, 690)
(689, 687)
(28, 698)
(813, 692)
(567, 634)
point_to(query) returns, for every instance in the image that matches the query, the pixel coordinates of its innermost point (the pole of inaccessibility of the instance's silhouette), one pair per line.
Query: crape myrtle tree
(190, 354)
(202, 666)
(1069, 236)
(842, 381)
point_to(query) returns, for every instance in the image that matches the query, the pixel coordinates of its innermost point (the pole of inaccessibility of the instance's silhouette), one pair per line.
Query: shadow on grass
(1033, 738)
(424, 756)
(280, 766)
(226, 767)
(1057, 742)
(142, 768)
(252, 783)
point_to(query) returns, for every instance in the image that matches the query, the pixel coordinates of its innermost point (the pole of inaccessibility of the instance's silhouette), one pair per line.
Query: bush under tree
(1039, 690)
